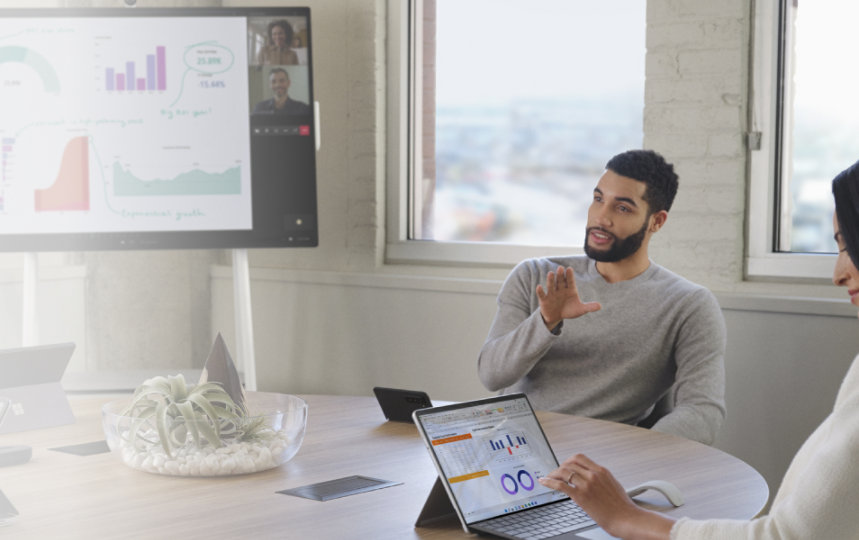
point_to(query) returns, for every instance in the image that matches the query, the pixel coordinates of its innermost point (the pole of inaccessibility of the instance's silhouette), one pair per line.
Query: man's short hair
(651, 168)
(278, 70)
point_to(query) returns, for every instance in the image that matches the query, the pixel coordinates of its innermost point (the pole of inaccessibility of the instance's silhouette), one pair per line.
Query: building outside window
(516, 107)
(520, 105)
(800, 114)
(820, 137)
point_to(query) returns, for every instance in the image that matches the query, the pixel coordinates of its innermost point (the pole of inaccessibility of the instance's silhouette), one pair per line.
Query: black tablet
(397, 404)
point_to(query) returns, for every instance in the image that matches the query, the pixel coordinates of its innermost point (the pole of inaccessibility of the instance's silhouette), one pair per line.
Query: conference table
(61, 495)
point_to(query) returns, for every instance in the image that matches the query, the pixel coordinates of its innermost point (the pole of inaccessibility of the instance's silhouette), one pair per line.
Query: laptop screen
(490, 454)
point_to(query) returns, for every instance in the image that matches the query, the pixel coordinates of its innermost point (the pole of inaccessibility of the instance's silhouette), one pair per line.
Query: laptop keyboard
(543, 521)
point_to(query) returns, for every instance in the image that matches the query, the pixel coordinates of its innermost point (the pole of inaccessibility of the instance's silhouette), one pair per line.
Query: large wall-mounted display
(156, 129)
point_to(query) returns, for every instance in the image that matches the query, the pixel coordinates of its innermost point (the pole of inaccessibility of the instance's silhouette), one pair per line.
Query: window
(801, 107)
(514, 108)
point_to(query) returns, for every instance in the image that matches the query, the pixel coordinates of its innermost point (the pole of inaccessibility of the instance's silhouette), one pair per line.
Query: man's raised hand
(559, 299)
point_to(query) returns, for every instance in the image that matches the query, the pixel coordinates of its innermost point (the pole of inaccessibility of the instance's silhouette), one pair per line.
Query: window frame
(764, 260)
(402, 163)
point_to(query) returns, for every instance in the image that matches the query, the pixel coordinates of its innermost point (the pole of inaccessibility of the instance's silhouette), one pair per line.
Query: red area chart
(70, 190)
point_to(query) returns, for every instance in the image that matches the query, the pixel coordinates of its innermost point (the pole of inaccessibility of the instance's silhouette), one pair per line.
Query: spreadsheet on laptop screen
(491, 456)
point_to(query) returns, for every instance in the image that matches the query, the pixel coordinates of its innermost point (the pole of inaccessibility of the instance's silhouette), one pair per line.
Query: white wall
(343, 333)
(783, 371)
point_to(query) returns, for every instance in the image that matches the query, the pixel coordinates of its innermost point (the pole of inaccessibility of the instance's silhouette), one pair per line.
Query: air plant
(205, 413)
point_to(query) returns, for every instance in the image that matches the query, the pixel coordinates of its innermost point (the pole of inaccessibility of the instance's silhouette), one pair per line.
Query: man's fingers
(565, 277)
(560, 278)
(560, 296)
(590, 307)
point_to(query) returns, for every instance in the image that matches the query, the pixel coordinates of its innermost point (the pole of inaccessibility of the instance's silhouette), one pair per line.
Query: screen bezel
(269, 230)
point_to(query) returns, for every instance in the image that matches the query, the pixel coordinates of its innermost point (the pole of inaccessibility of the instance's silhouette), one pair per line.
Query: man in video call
(611, 334)
(281, 103)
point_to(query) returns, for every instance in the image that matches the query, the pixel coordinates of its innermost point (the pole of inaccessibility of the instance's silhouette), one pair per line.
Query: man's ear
(657, 220)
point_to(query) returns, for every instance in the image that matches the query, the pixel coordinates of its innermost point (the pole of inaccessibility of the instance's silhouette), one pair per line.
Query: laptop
(489, 454)
(30, 381)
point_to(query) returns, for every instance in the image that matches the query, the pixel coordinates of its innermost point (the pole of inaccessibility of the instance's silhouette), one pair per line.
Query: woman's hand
(598, 492)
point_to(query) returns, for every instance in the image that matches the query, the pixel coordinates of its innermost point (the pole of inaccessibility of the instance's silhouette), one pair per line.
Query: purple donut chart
(523, 480)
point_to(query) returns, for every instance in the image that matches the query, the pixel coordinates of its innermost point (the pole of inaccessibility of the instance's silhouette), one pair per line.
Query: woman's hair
(845, 188)
(287, 28)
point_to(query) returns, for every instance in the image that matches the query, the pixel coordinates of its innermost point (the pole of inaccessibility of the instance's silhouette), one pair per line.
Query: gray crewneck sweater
(616, 363)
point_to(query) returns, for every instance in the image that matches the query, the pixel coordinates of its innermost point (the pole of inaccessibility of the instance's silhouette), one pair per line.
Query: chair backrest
(663, 406)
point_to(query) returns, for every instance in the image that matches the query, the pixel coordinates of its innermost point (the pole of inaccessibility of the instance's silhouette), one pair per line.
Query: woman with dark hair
(278, 45)
(820, 490)
(845, 188)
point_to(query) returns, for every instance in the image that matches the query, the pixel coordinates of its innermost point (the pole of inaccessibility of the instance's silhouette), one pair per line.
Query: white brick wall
(695, 114)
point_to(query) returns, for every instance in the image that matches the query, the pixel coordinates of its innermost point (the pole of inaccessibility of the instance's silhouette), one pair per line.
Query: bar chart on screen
(132, 134)
(508, 442)
(129, 78)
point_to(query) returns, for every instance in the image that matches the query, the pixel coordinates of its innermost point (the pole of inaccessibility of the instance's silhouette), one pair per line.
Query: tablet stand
(436, 507)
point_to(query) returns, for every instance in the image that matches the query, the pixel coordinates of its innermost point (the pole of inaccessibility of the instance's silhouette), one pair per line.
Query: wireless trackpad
(594, 534)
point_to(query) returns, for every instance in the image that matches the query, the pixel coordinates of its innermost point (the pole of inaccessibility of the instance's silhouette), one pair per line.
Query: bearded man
(610, 334)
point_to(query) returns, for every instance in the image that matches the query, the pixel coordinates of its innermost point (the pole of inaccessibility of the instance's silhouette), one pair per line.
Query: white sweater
(819, 496)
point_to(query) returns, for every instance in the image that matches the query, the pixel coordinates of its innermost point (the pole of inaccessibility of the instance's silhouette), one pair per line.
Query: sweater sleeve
(699, 388)
(818, 496)
(518, 338)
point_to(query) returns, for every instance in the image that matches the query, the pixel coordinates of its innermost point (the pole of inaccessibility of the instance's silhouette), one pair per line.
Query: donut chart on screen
(513, 482)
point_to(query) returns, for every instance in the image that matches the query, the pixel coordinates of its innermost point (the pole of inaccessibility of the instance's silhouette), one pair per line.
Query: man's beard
(620, 249)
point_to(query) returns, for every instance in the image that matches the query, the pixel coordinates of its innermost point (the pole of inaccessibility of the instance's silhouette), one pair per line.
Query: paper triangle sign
(220, 368)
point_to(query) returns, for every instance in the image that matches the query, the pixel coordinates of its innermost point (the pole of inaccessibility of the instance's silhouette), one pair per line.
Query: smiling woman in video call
(278, 48)
(820, 490)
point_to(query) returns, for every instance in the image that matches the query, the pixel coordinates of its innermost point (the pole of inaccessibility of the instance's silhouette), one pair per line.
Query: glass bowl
(268, 436)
